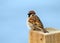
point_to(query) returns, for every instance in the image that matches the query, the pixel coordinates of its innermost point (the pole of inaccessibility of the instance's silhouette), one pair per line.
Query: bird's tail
(41, 29)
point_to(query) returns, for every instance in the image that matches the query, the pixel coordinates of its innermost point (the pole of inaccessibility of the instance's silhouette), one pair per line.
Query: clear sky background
(13, 15)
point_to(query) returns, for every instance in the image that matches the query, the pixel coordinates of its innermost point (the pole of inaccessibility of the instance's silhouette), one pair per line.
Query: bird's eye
(32, 15)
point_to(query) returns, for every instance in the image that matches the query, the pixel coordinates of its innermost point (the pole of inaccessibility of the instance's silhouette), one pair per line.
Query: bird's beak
(28, 15)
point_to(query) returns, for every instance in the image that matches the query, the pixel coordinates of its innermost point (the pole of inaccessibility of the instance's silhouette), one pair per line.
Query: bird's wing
(36, 21)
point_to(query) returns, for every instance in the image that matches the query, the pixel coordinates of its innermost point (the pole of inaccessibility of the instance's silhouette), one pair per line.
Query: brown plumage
(34, 22)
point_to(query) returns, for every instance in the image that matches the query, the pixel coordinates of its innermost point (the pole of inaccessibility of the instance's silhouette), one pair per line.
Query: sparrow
(34, 22)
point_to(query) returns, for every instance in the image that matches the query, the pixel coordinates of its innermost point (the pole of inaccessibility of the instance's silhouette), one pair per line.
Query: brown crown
(31, 12)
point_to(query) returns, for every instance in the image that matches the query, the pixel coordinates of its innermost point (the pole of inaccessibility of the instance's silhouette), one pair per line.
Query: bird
(34, 22)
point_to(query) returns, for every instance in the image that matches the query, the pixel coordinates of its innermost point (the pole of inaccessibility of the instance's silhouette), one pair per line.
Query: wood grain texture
(40, 37)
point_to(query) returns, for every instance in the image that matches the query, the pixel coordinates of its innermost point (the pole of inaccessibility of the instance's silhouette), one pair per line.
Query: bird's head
(31, 13)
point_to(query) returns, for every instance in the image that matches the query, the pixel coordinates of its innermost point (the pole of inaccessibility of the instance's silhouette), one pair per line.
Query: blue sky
(13, 15)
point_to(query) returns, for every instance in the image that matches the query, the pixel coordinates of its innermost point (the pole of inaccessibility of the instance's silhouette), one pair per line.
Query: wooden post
(40, 37)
